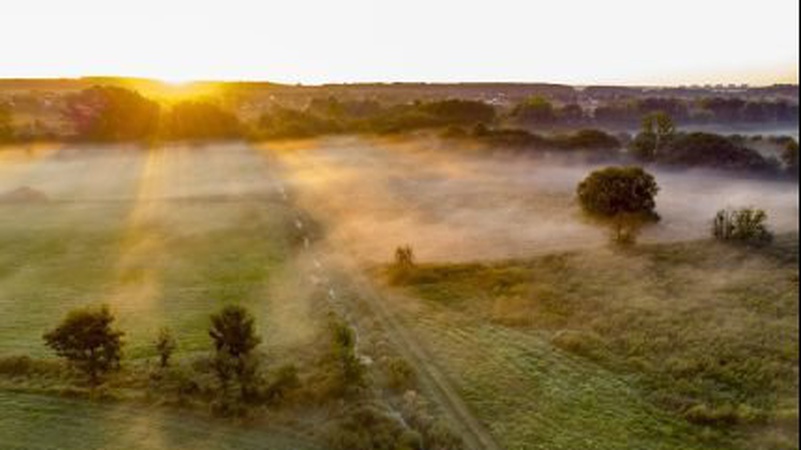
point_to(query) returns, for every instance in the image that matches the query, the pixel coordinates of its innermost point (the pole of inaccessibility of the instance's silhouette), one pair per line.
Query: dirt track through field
(434, 382)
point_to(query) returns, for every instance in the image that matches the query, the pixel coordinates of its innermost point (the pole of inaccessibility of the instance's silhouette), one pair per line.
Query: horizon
(355, 41)
(122, 78)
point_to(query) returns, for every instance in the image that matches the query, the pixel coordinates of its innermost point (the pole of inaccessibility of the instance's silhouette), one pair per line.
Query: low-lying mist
(466, 204)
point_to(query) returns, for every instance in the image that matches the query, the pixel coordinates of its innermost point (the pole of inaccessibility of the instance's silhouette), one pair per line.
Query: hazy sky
(572, 41)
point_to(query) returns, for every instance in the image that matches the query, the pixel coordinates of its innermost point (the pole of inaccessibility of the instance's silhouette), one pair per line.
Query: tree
(404, 263)
(165, 346)
(535, 110)
(744, 225)
(233, 332)
(112, 113)
(193, 119)
(657, 131)
(790, 157)
(87, 339)
(622, 196)
(6, 129)
(352, 374)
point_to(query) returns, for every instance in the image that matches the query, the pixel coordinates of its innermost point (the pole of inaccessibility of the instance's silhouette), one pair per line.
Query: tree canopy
(87, 339)
(623, 196)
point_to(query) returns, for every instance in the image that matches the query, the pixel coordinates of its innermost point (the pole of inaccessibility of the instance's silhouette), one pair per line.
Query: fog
(462, 204)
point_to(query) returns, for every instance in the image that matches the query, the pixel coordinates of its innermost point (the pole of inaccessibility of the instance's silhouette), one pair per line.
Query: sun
(174, 89)
(176, 81)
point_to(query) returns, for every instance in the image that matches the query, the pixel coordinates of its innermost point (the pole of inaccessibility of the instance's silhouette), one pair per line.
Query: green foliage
(744, 225)
(459, 112)
(352, 375)
(87, 339)
(6, 127)
(535, 110)
(233, 333)
(623, 196)
(589, 139)
(640, 341)
(366, 427)
(790, 157)
(165, 346)
(400, 374)
(404, 262)
(657, 132)
(332, 116)
(111, 113)
(435, 434)
(284, 380)
(193, 119)
(705, 149)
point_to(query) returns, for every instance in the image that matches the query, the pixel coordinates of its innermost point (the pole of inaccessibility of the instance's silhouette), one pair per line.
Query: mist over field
(297, 231)
(462, 204)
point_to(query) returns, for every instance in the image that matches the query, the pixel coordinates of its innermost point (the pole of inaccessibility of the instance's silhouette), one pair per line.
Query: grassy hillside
(686, 345)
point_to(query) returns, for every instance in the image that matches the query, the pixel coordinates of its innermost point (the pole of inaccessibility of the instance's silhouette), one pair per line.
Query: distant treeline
(119, 114)
(629, 112)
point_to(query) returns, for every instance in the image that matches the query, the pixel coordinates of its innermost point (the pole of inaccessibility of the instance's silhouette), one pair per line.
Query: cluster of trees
(623, 197)
(114, 114)
(658, 141)
(88, 339)
(701, 111)
(6, 128)
(331, 116)
(586, 139)
(539, 111)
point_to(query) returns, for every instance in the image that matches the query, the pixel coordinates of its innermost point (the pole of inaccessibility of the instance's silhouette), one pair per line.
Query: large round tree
(621, 196)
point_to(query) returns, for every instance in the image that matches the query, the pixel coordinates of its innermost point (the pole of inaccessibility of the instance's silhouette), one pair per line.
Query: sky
(582, 42)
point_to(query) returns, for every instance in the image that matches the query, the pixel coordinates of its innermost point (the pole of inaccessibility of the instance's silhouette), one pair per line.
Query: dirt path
(433, 381)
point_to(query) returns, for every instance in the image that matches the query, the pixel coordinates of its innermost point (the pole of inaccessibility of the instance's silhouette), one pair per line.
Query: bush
(404, 263)
(587, 344)
(744, 225)
(285, 379)
(368, 428)
(351, 376)
(724, 415)
(165, 346)
(400, 374)
(16, 365)
(436, 435)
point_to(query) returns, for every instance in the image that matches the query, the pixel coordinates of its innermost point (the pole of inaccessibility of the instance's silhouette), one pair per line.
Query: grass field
(689, 345)
(664, 345)
(32, 422)
(164, 237)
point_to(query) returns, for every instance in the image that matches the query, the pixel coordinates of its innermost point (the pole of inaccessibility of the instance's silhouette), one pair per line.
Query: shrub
(165, 346)
(368, 428)
(285, 379)
(744, 225)
(400, 374)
